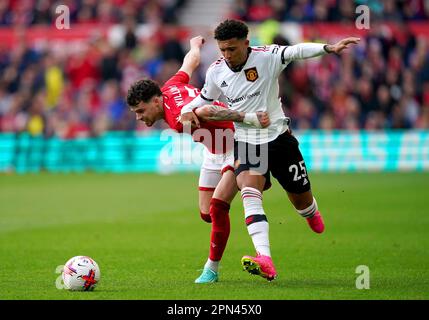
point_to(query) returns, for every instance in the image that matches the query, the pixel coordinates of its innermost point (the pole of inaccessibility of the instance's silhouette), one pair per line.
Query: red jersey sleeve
(180, 77)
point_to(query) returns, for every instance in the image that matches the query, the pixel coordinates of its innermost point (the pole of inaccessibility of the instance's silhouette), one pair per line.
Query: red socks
(219, 213)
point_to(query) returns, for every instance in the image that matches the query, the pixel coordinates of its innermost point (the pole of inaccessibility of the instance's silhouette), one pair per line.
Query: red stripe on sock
(244, 197)
(249, 220)
(250, 195)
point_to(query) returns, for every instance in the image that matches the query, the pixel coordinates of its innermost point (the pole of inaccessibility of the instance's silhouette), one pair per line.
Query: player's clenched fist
(197, 42)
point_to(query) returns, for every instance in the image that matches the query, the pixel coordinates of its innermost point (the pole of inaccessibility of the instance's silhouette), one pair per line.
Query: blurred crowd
(382, 83)
(80, 90)
(39, 12)
(328, 10)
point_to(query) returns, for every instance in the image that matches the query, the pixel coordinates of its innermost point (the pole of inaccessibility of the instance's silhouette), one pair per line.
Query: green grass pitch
(145, 233)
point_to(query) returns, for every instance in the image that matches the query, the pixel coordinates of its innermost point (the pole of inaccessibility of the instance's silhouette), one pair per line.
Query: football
(81, 273)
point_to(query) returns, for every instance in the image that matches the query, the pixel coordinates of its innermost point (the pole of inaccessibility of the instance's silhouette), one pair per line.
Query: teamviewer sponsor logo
(242, 98)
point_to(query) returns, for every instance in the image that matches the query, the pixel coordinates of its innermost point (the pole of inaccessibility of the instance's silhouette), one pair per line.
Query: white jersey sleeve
(283, 55)
(209, 93)
(303, 51)
(196, 103)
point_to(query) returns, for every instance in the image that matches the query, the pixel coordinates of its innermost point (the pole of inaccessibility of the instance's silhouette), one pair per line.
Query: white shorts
(214, 165)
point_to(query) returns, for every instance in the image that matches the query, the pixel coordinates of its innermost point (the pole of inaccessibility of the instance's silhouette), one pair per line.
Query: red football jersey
(217, 136)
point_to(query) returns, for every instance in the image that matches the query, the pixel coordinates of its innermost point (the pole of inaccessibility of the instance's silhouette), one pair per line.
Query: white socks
(256, 221)
(213, 265)
(310, 211)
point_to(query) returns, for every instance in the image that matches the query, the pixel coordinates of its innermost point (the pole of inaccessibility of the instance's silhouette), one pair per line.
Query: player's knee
(206, 217)
(219, 212)
(218, 209)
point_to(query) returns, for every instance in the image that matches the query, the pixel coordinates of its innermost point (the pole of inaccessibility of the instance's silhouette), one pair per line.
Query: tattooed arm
(218, 113)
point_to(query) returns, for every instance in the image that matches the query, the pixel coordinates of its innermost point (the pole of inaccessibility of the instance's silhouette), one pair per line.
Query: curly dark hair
(230, 29)
(142, 90)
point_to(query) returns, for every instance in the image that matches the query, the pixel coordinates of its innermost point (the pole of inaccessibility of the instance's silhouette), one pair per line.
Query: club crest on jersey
(251, 74)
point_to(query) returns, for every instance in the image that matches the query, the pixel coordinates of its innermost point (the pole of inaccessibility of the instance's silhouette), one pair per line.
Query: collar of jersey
(240, 67)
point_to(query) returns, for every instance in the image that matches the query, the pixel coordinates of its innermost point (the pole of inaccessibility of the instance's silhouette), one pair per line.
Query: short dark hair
(142, 90)
(231, 29)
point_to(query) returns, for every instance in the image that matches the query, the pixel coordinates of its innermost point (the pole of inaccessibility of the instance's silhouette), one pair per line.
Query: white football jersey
(255, 87)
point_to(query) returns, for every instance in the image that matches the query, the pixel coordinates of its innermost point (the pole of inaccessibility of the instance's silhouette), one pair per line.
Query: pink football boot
(316, 223)
(260, 265)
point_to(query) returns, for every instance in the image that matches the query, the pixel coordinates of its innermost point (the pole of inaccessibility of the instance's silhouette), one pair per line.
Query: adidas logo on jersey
(223, 85)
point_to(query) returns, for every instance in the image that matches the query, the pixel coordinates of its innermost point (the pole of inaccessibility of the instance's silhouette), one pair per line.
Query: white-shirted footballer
(254, 87)
(248, 78)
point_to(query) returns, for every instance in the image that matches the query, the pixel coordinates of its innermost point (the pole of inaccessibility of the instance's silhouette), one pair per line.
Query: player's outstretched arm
(341, 45)
(193, 57)
(310, 50)
(217, 113)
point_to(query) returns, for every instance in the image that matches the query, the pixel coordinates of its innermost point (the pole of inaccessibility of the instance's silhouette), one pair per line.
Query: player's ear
(247, 42)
